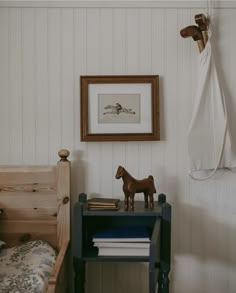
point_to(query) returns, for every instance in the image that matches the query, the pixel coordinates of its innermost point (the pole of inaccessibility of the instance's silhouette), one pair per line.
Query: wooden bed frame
(35, 204)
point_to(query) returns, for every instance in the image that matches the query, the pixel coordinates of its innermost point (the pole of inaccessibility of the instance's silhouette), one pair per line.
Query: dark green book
(111, 202)
(103, 208)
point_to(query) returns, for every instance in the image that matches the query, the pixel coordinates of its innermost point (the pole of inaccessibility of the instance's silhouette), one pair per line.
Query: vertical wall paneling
(119, 41)
(132, 67)
(119, 159)
(224, 197)
(106, 67)
(4, 80)
(80, 68)
(106, 170)
(132, 160)
(93, 41)
(122, 277)
(145, 41)
(232, 184)
(15, 89)
(183, 51)
(230, 88)
(103, 63)
(145, 160)
(93, 67)
(54, 82)
(67, 75)
(43, 53)
(231, 235)
(176, 135)
(93, 170)
(108, 273)
(132, 41)
(106, 43)
(171, 104)
(145, 45)
(93, 272)
(170, 108)
(158, 67)
(221, 180)
(157, 41)
(41, 86)
(93, 177)
(29, 84)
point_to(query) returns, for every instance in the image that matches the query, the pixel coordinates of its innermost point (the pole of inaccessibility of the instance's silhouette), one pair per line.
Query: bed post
(63, 193)
(59, 280)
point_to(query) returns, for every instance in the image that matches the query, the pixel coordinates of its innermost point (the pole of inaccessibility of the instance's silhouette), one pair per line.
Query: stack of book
(103, 204)
(123, 241)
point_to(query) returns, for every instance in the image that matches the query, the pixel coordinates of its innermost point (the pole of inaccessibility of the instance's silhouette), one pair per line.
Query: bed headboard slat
(23, 213)
(28, 200)
(26, 175)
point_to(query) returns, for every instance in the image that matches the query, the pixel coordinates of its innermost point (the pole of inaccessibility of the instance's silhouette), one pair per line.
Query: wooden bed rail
(57, 280)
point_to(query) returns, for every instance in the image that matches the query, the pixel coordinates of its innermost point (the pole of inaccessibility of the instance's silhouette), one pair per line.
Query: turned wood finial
(63, 154)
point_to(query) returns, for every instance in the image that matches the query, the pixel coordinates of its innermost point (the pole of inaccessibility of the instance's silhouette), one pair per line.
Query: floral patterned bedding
(26, 268)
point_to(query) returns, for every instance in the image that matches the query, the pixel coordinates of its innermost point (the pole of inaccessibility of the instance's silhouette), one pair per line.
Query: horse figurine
(132, 186)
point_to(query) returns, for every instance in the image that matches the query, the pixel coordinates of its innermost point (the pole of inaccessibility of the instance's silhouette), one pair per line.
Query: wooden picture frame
(120, 108)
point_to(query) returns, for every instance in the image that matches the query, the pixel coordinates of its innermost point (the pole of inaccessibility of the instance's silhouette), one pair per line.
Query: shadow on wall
(78, 175)
(162, 107)
(225, 68)
(203, 251)
(206, 238)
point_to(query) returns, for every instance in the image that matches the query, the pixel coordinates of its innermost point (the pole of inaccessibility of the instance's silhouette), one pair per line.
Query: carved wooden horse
(132, 186)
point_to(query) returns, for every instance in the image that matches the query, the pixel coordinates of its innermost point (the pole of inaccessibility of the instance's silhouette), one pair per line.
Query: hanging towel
(209, 141)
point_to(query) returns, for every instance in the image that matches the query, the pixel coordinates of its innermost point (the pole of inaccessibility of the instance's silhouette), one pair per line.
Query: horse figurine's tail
(152, 179)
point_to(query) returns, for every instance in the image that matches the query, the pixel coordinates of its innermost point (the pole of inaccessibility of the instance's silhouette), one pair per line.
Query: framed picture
(120, 108)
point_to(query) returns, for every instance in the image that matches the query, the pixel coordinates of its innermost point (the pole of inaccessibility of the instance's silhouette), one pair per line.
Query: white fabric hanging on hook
(209, 141)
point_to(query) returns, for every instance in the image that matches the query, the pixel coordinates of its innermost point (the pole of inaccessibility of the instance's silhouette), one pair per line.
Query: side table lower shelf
(159, 220)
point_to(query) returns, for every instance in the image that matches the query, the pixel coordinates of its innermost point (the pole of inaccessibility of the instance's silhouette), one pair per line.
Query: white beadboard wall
(43, 52)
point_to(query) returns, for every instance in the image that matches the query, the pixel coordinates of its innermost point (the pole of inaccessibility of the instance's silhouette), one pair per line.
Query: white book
(122, 251)
(144, 239)
(123, 244)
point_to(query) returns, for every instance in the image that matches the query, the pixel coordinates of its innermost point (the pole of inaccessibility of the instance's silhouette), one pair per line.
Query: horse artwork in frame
(119, 108)
(132, 186)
